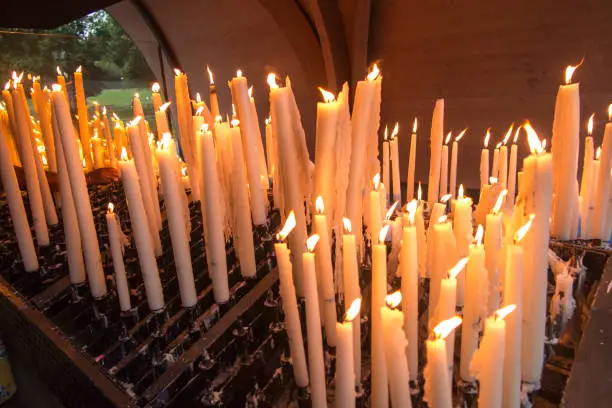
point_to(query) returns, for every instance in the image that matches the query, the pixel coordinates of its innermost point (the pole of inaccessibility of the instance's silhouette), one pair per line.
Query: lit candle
(395, 350)
(503, 158)
(421, 237)
(114, 238)
(325, 274)
(161, 119)
(488, 362)
(157, 100)
(565, 148)
(454, 161)
(444, 166)
(185, 122)
(380, 393)
(438, 385)
(513, 295)
(142, 233)
(98, 152)
(44, 114)
(214, 237)
(325, 154)
(484, 160)
(587, 175)
(352, 291)
(212, 90)
(447, 305)
(536, 198)
(474, 309)
(83, 118)
(119, 136)
(168, 164)
(375, 208)
(313, 326)
(462, 228)
(61, 80)
(411, 163)
(112, 157)
(410, 288)
(495, 168)
(386, 171)
(493, 245)
(602, 189)
(78, 185)
(397, 190)
(345, 370)
(16, 207)
(240, 96)
(512, 170)
(593, 196)
(437, 130)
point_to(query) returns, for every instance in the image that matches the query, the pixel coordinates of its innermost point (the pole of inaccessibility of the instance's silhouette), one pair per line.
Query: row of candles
(229, 172)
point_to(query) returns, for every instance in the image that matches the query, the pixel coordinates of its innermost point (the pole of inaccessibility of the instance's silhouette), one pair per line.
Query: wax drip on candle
(456, 270)
(522, 231)
(508, 134)
(353, 310)
(445, 327)
(346, 224)
(290, 223)
(394, 299)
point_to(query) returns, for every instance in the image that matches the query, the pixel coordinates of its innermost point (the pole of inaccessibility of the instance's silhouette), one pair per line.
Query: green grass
(119, 101)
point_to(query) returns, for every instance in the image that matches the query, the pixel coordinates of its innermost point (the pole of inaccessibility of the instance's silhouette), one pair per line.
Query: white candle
(395, 351)
(438, 384)
(447, 305)
(114, 238)
(89, 239)
(161, 120)
(493, 245)
(397, 189)
(444, 250)
(462, 229)
(375, 208)
(16, 207)
(82, 116)
(437, 130)
(565, 147)
(214, 237)
(352, 291)
(585, 185)
(290, 305)
(410, 288)
(214, 100)
(602, 189)
(422, 244)
(379, 396)
(444, 166)
(512, 171)
(168, 163)
(261, 154)
(411, 163)
(495, 167)
(503, 158)
(454, 162)
(240, 95)
(345, 371)
(475, 307)
(593, 196)
(484, 160)
(325, 273)
(313, 327)
(142, 233)
(386, 171)
(488, 361)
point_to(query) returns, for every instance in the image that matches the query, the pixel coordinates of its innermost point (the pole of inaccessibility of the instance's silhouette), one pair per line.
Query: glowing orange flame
(7, 86)
(319, 205)
(348, 228)
(500, 314)
(290, 223)
(610, 112)
(199, 111)
(499, 202)
(414, 126)
(487, 137)
(493, 180)
(420, 192)
(239, 73)
(516, 134)
(374, 73)
(460, 136)
(445, 198)
(442, 219)
(590, 124)
(272, 80)
(521, 232)
(535, 146)
(448, 137)
(508, 134)
(79, 69)
(456, 270)
(395, 131)
(124, 155)
(460, 193)
(376, 181)
(598, 153)
(311, 242)
(411, 208)
(391, 210)
(155, 87)
(218, 118)
(383, 233)
(569, 71)
(445, 327)
(235, 122)
(177, 72)
(211, 79)
(479, 235)
(393, 300)
(327, 96)
(353, 310)
(386, 134)
(250, 91)
(58, 70)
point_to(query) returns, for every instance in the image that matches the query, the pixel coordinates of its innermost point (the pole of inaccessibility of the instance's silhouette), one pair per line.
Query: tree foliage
(97, 42)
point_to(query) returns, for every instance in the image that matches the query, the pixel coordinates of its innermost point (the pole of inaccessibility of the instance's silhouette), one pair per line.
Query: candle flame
(500, 314)
(521, 232)
(184, 171)
(79, 69)
(442, 219)
(136, 121)
(353, 310)
(111, 208)
(479, 235)
(487, 137)
(319, 205)
(420, 192)
(395, 131)
(610, 112)
(104, 111)
(445, 198)
(374, 73)
(177, 72)
(239, 73)
(211, 79)
(155, 87)
(348, 228)
(598, 153)
(590, 124)
(535, 146)
(383, 233)
(394, 299)
(204, 129)
(386, 134)
(456, 270)
(218, 118)
(414, 126)
(165, 106)
(268, 120)
(58, 70)
(508, 134)
(516, 134)
(124, 155)
(492, 180)
(460, 136)
(7, 86)
(391, 210)
(411, 208)
(376, 181)
(287, 228)
(460, 194)
(272, 80)
(311, 242)
(445, 327)
(199, 111)
(498, 145)
(165, 140)
(499, 202)
(198, 97)
(54, 87)
(569, 71)
(250, 91)
(235, 122)
(327, 96)
(448, 137)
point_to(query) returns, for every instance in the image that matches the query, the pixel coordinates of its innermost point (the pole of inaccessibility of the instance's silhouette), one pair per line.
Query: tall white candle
(410, 287)
(352, 291)
(437, 130)
(114, 238)
(395, 351)
(397, 189)
(411, 163)
(345, 370)
(602, 189)
(313, 326)
(142, 234)
(444, 166)
(447, 305)
(503, 158)
(590, 223)
(89, 239)
(454, 162)
(375, 208)
(443, 248)
(386, 171)
(493, 245)
(512, 170)
(462, 229)
(495, 167)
